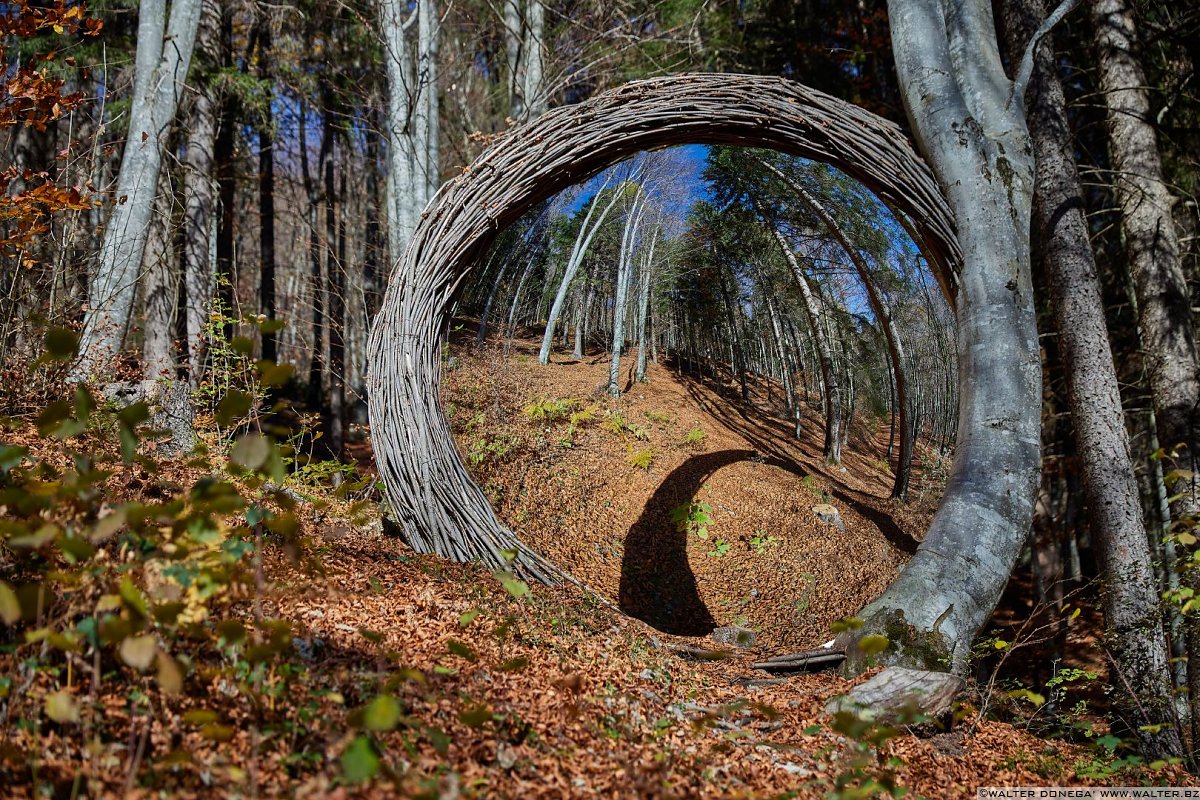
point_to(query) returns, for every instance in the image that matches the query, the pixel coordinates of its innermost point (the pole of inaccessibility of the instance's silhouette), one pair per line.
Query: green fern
(641, 459)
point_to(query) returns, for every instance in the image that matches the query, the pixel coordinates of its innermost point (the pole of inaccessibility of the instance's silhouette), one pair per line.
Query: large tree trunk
(833, 393)
(1164, 307)
(1133, 623)
(958, 100)
(164, 51)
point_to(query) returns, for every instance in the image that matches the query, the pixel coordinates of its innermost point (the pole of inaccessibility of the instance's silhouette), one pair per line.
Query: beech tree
(164, 51)
(969, 121)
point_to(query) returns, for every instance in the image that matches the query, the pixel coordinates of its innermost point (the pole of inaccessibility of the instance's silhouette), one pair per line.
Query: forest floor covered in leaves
(343, 664)
(678, 501)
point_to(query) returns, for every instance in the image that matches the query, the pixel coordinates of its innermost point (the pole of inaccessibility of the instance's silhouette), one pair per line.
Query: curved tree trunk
(958, 100)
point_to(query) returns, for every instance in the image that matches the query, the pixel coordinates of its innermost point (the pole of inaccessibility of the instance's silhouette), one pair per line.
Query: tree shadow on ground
(776, 443)
(657, 583)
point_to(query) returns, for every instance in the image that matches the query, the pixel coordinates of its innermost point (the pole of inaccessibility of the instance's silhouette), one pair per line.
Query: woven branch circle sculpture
(439, 507)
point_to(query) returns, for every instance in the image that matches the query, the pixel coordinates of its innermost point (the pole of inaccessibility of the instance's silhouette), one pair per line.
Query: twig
(1025, 70)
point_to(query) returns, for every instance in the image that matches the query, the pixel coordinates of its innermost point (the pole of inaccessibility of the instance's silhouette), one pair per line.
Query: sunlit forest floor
(605, 487)
(495, 692)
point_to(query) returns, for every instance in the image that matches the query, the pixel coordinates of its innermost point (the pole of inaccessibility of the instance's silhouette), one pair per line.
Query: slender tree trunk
(164, 51)
(833, 394)
(198, 198)
(737, 358)
(161, 287)
(536, 101)
(644, 306)
(373, 277)
(402, 206)
(583, 241)
(266, 203)
(335, 233)
(316, 368)
(624, 269)
(883, 314)
(514, 43)
(486, 314)
(226, 173)
(581, 320)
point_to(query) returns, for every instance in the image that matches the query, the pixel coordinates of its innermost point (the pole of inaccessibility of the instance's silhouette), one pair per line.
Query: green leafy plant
(694, 437)
(866, 770)
(720, 548)
(692, 518)
(549, 409)
(484, 449)
(762, 541)
(577, 420)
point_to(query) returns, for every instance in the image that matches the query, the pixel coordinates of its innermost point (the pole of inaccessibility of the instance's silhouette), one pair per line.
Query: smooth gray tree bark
(164, 51)
(969, 122)
(633, 222)
(583, 240)
(1133, 623)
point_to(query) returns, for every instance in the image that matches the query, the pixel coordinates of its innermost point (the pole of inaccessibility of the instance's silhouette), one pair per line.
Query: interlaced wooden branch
(439, 507)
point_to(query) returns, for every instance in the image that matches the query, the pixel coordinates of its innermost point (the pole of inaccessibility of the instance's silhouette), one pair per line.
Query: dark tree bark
(316, 369)
(335, 230)
(1133, 624)
(1160, 285)
(266, 204)
(161, 287)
